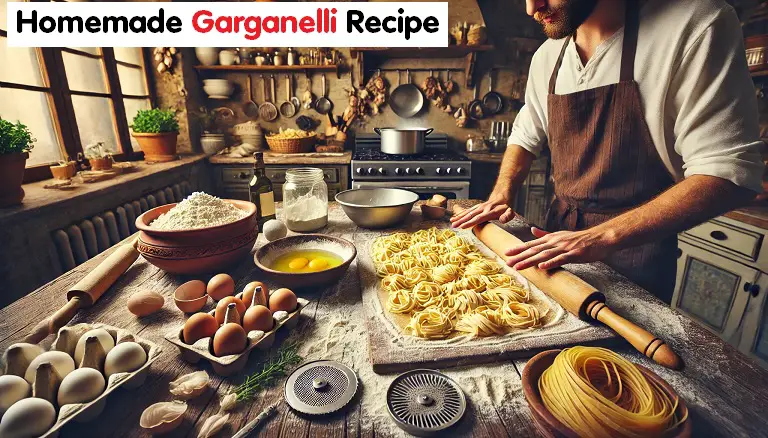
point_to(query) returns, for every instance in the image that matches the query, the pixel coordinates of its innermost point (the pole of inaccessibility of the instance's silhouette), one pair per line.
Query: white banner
(140, 24)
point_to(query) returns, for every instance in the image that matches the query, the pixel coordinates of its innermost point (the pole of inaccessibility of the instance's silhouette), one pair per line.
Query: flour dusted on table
(198, 210)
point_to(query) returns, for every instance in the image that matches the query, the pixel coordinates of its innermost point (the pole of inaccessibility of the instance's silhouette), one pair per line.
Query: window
(72, 97)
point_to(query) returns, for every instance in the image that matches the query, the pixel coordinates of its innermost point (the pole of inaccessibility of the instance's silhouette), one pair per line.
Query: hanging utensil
(475, 108)
(250, 108)
(323, 105)
(294, 99)
(287, 108)
(267, 110)
(492, 101)
(308, 98)
(406, 100)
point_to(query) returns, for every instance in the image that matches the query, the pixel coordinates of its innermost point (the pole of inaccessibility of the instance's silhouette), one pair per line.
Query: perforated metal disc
(320, 387)
(425, 402)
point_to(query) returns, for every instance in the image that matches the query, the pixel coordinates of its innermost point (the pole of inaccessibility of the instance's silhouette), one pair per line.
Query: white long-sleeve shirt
(697, 94)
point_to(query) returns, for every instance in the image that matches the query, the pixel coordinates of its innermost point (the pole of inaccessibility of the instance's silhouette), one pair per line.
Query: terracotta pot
(64, 171)
(11, 176)
(101, 163)
(158, 148)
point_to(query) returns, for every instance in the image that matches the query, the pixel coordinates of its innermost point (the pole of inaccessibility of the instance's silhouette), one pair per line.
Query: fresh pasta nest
(446, 286)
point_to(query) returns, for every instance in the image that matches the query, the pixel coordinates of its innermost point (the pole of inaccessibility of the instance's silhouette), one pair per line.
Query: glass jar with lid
(305, 199)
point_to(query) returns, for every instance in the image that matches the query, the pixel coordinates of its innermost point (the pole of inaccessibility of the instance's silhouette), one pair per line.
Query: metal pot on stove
(408, 141)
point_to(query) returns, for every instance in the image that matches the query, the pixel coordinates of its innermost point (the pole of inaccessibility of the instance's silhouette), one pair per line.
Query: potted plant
(156, 131)
(15, 144)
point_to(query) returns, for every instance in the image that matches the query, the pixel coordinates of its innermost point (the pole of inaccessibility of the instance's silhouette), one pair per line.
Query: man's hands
(496, 207)
(552, 250)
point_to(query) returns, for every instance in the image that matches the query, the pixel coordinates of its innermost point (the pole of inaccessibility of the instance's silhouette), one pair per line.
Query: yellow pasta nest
(446, 285)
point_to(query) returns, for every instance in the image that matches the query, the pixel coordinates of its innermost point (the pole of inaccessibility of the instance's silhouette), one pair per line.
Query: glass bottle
(305, 199)
(277, 59)
(261, 192)
(291, 57)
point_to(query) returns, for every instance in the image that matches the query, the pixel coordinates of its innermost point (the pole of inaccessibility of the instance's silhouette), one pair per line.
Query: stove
(437, 170)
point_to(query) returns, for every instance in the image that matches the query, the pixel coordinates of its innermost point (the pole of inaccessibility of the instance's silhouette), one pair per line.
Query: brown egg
(258, 317)
(198, 326)
(220, 286)
(145, 303)
(248, 293)
(229, 339)
(221, 309)
(190, 297)
(282, 299)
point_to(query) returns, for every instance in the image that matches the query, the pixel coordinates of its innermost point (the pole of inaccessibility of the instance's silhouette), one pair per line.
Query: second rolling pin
(580, 298)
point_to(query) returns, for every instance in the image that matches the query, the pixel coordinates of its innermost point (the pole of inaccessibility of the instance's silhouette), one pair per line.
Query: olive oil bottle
(261, 192)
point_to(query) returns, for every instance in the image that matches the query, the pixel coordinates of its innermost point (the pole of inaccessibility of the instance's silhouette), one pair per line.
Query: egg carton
(66, 340)
(233, 363)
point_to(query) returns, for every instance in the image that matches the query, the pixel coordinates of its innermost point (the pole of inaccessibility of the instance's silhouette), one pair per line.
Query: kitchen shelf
(360, 55)
(308, 69)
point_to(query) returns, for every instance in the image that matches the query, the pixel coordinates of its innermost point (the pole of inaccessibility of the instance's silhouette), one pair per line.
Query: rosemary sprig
(276, 367)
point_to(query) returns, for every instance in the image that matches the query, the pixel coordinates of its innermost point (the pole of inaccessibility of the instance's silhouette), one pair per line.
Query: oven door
(425, 189)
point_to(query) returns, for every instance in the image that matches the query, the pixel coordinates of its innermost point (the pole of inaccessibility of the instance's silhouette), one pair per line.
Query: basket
(291, 145)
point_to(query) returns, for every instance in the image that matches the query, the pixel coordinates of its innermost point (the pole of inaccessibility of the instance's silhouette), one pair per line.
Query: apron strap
(629, 48)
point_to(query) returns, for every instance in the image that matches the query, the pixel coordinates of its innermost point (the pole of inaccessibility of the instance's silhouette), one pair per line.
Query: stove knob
(460, 170)
(359, 171)
(407, 170)
(371, 171)
(382, 171)
(439, 171)
(398, 171)
(419, 171)
(448, 171)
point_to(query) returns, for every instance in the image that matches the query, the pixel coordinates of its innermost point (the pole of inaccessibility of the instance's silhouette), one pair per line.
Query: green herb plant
(155, 121)
(277, 366)
(15, 138)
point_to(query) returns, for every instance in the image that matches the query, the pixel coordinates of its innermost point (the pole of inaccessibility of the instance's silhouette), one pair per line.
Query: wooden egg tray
(66, 340)
(233, 363)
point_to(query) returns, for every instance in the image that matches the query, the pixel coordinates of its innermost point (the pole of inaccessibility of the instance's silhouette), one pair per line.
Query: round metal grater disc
(425, 402)
(320, 387)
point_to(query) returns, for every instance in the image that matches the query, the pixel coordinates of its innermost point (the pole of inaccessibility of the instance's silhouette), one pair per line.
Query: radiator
(87, 238)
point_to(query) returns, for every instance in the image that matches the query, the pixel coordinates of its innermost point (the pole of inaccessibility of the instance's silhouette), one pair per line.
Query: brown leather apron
(604, 163)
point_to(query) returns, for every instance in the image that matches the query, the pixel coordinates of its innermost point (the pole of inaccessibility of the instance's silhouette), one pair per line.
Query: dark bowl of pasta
(576, 392)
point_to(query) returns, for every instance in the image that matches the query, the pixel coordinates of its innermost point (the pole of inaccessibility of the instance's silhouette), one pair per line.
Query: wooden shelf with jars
(361, 55)
(249, 68)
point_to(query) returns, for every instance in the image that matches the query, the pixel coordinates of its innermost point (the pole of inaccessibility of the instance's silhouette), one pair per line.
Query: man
(650, 115)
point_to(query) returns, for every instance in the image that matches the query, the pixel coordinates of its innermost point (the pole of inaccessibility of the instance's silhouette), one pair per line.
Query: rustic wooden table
(727, 393)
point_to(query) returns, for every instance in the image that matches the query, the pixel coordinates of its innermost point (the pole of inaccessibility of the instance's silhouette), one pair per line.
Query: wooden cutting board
(392, 351)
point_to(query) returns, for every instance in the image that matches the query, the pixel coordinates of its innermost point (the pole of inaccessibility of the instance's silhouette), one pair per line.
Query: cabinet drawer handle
(753, 289)
(243, 175)
(679, 252)
(718, 235)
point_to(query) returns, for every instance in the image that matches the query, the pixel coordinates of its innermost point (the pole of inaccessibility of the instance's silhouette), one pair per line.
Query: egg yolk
(298, 263)
(318, 264)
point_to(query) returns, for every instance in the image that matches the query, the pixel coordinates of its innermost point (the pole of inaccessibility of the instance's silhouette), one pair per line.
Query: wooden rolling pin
(579, 297)
(88, 290)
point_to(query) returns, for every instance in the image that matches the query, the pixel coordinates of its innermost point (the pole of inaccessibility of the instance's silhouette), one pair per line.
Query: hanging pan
(267, 110)
(287, 108)
(323, 105)
(250, 108)
(492, 101)
(475, 109)
(406, 100)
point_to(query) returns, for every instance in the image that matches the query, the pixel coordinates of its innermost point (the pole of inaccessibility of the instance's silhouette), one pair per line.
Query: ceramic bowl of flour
(198, 250)
(267, 255)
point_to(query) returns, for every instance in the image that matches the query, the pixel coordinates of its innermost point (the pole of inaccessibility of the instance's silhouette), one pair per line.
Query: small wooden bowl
(551, 427)
(185, 301)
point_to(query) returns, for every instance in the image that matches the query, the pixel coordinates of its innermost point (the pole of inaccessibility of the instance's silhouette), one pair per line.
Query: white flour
(306, 213)
(198, 210)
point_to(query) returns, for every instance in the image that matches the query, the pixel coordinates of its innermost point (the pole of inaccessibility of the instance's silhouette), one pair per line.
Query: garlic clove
(190, 385)
(229, 402)
(163, 417)
(212, 425)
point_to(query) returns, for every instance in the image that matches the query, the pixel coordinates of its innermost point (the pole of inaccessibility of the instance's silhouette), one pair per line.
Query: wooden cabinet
(232, 180)
(754, 338)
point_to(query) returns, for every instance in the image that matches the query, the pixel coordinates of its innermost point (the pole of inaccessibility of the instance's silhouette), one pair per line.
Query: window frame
(56, 87)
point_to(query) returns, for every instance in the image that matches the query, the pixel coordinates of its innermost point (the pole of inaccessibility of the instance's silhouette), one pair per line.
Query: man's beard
(566, 18)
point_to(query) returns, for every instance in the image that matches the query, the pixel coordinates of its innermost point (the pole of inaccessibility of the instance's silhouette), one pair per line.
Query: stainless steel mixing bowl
(377, 208)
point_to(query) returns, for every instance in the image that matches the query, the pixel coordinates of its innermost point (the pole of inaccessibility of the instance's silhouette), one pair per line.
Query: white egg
(274, 229)
(18, 356)
(27, 418)
(81, 386)
(105, 339)
(62, 363)
(124, 358)
(12, 389)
